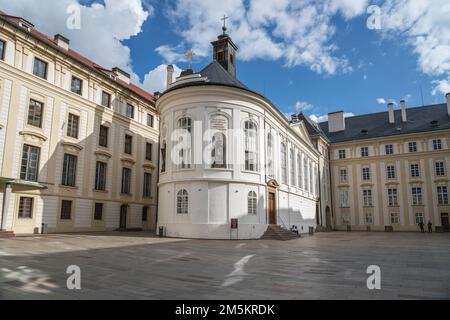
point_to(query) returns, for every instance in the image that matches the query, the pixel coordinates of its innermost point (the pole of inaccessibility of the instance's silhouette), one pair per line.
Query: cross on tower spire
(224, 28)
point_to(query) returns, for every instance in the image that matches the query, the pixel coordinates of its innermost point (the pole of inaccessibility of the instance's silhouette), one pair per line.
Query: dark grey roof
(420, 119)
(312, 127)
(216, 75)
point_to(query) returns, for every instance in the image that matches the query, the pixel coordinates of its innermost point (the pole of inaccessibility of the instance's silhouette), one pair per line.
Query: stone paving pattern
(142, 266)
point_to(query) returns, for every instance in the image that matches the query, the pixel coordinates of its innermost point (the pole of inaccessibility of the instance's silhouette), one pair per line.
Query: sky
(305, 56)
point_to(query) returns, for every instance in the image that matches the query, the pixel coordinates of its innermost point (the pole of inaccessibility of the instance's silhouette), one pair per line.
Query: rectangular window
(417, 196)
(437, 144)
(147, 185)
(364, 152)
(342, 154)
(412, 146)
(150, 120)
(440, 170)
(130, 111)
(144, 214)
(366, 174)
(106, 99)
(394, 218)
(25, 208)
(343, 175)
(419, 218)
(128, 144)
(163, 157)
(391, 174)
(72, 126)
(103, 136)
(30, 163)
(98, 211)
(369, 218)
(126, 180)
(367, 196)
(344, 198)
(40, 68)
(35, 110)
(299, 171)
(66, 209)
(148, 151)
(442, 195)
(392, 198)
(100, 176)
(414, 170)
(389, 148)
(76, 85)
(2, 50)
(69, 175)
(292, 168)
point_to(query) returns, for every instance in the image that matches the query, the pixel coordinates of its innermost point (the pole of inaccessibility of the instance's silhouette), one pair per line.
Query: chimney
(403, 109)
(336, 121)
(62, 41)
(391, 112)
(170, 71)
(448, 103)
(122, 75)
(294, 118)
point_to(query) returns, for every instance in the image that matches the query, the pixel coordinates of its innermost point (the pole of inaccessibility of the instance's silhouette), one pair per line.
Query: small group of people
(422, 226)
(294, 229)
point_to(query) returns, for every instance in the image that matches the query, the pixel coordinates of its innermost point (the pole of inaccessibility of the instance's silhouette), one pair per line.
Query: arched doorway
(328, 218)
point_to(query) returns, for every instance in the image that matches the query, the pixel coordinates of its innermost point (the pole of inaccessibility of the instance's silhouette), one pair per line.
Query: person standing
(430, 227)
(421, 225)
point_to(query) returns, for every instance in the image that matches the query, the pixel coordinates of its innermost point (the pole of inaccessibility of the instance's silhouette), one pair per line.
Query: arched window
(250, 145)
(182, 201)
(219, 151)
(185, 139)
(270, 172)
(283, 164)
(299, 171)
(252, 202)
(292, 167)
(305, 175)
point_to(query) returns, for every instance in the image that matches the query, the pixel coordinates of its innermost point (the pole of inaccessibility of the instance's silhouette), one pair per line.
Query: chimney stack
(294, 118)
(391, 112)
(336, 121)
(448, 103)
(62, 41)
(170, 71)
(122, 75)
(403, 108)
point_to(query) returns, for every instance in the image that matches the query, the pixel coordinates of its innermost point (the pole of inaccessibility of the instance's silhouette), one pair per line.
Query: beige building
(78, 142)
(389, 170)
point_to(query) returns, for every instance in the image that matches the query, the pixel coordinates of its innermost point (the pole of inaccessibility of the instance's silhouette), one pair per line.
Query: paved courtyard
(141, 266)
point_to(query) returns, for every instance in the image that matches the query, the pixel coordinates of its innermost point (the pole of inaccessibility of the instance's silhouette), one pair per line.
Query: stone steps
(276, 232)
(7, 234)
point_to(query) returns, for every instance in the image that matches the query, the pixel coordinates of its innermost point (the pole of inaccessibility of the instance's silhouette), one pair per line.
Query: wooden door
(272, 209)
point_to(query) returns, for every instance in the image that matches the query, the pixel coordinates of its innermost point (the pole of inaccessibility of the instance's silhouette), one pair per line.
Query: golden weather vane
(190, 55)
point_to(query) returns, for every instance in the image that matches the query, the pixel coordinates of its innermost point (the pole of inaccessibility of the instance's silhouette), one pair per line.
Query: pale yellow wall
(18, 85)
(379, 183)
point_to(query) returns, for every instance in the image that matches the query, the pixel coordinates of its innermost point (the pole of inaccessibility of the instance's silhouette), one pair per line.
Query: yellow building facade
(78, 142)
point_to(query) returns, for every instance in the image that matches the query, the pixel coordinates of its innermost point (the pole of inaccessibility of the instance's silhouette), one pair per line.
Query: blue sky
(362, 67)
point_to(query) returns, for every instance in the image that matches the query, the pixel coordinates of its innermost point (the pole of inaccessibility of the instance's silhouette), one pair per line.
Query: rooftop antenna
(421, 94)
(190, 55)
(224, 19)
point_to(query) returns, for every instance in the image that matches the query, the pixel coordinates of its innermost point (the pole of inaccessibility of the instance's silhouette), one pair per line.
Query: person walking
(430, 227)
(421, 226)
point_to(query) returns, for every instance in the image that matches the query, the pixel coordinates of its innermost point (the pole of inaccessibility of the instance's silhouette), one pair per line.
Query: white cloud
(381, 101)
(441, 86)
(324, 118)
(103, 27)
(299, 32)
(426, 26)
(156, 79)
(302, 106)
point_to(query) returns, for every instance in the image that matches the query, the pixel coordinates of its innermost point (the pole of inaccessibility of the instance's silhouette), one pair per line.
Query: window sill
(68, 187)
(126, 194)
(100, 191)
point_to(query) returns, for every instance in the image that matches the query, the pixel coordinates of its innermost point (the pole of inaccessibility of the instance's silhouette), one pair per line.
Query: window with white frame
(252, 203)
(392, 197)
(412, 146)
(270, 171)
(343, 175)
(419, 218)
(343, 197)
(182, 202)
(417, 198)
(250, 145)
(364, 152)
(40, 68)
(367, 197)
(73, 124)
(369, 218)
(100, 176)
(311, 178)
(440, 169)
(29, 168)
(395, 219)
(442, 194)
(366, 173)
(391, 173)
(437, 144)
(414, 170)
(35, 110)
(299, 171)
(25, 208)
(129, 112)
(283, 164)
(69, 174)
(342, 154)
(184, 125)
(292, 167)
(389, 149)
(305, 175)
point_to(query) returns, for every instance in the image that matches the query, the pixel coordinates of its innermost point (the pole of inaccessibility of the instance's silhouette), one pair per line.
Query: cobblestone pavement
(141, 266)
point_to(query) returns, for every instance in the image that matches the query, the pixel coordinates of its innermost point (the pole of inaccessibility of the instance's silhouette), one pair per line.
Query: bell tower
(224, 50)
